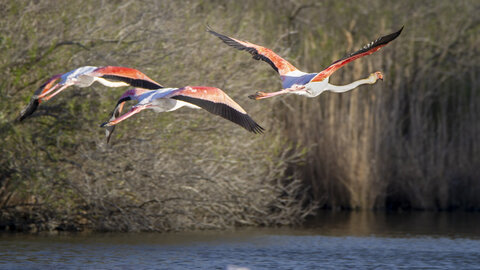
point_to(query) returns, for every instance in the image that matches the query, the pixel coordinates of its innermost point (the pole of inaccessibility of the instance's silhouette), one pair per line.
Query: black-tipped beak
(106, 124)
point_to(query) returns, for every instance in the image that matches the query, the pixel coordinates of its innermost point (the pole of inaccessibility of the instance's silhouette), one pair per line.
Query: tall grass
(409, 142)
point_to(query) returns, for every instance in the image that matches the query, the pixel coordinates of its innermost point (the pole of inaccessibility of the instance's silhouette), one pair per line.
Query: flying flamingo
(297, 82)
(85, 76)
(212, 99)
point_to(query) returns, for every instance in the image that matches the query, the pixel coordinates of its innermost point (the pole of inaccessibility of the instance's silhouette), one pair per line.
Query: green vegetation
(409, 142)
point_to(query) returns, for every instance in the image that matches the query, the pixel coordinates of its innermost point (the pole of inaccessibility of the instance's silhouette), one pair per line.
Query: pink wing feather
(131, 76)
(215, 101)
(279, 64)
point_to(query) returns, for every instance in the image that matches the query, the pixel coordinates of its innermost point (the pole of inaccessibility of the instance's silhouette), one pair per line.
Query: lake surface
(358, 240)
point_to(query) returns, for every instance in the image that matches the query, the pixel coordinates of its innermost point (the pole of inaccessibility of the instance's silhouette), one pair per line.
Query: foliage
(408, 142)
(170, 171)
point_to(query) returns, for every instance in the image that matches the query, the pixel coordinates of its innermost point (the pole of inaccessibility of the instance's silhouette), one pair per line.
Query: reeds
(409, 142)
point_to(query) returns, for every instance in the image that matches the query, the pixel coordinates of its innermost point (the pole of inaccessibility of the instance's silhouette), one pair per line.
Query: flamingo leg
(47, 92)
(45, 98)
(262, 95)
(134, 110)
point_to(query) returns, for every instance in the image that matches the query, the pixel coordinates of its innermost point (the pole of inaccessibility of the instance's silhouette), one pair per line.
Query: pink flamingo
(212, 99)
(297, 82)
(85, 76)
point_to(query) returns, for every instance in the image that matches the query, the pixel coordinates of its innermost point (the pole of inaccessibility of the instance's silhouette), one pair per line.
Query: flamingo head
(375, 76)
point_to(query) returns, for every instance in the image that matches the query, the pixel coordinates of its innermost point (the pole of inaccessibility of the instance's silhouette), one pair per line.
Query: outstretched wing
(34, 101)
(279, 64)
(130, 76)
(217, 102)
(366, 50)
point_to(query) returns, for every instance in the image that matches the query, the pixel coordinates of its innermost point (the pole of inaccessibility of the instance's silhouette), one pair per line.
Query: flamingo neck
(350, 86)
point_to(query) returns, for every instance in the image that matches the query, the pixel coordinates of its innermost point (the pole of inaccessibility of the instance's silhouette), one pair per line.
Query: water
(332, 241)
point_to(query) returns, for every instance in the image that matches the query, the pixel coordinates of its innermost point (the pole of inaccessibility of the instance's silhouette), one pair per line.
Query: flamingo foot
(258, 95)
(106, 124)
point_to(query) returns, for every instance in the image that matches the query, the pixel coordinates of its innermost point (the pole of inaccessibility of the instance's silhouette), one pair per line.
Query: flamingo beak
(379, 75)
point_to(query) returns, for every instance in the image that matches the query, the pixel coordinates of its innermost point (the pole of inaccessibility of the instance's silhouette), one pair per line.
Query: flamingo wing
(130, 76)
(366, 50)
(215, 101)
(279, 64)
(27, 111)
(34, 102)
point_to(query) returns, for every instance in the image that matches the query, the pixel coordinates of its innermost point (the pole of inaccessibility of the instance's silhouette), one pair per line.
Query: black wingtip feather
(116, 113)
(378, 42)
(386, 39)
(109, 132)
(29, 110)
(225, 111)
(230, 42)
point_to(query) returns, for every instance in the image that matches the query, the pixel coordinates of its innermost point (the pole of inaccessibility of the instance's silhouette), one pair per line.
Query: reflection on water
(359, 240)
(405, 224)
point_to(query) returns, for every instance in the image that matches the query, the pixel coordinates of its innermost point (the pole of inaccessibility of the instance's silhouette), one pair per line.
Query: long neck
(350, 86)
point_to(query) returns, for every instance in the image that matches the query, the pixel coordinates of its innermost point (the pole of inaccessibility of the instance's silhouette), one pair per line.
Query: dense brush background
(407, 143)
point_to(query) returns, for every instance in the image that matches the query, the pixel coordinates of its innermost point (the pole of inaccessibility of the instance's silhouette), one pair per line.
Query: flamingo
(85, 76)
(298, 82)
(212, 99)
